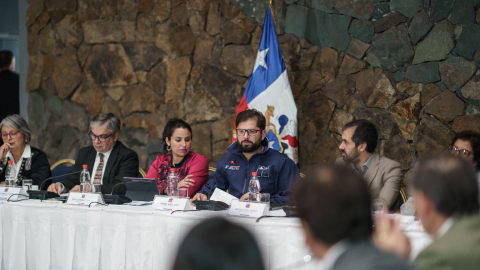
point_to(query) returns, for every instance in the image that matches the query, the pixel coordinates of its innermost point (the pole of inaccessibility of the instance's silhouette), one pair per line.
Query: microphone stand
(210, 205)
(116, 199)
(43, 194)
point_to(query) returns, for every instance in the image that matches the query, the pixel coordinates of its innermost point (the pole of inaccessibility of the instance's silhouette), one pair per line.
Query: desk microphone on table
(115, 198)
(214, 205)
(43, 194)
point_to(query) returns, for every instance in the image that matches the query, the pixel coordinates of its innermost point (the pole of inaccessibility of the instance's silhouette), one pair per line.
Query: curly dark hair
(474, 138)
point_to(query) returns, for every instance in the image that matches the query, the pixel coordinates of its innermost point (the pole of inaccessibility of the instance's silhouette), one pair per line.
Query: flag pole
(270, 3)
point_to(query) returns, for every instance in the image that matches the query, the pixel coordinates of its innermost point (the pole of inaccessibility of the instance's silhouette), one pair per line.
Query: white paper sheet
(220, 195)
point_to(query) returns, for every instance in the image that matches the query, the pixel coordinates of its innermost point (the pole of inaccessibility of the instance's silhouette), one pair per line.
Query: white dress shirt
(333, 253)
(106, 155)
(445, 227)
(26, 154)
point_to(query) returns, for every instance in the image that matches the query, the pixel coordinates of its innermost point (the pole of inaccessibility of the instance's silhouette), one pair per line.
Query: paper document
(220, 195)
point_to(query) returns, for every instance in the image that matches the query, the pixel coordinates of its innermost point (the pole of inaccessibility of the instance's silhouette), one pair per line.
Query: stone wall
(409, 66)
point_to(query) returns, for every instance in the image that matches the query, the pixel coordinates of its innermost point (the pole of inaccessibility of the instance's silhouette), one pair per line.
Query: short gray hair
(17, 122)
(108, 120)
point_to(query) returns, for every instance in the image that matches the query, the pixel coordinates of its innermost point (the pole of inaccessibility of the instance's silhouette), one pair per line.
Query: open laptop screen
(140, 189)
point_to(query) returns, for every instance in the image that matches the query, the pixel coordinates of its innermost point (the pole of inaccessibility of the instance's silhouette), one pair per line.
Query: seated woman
(29, 162)
(217, 244)
(192, 168)
(466, 144)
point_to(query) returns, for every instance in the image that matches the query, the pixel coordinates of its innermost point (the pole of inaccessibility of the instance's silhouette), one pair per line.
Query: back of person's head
(217, 244)
(170, 127)
(6, 58)
(251, 114)
(365, 132)
(449, 182)
(334, 202)
(473, 138)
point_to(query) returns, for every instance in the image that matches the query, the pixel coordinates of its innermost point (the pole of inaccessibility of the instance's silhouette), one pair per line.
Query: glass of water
(265, 197)
(183, 192)
(27, 184)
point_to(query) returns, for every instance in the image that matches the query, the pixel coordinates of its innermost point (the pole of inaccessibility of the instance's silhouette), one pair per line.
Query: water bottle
(10, 175)
(254, 188)
(172, 181)
(85, 180)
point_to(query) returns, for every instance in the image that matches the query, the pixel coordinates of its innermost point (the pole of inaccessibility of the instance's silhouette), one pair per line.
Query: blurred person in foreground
(445, 194)
(276, 172)
(382, 175)
(192, 168)
(29, 162)
(334, 206)
(217, 244)
(108, 160)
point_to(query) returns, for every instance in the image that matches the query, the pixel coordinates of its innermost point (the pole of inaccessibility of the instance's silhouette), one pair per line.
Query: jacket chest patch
(233, 168)
(263, 171)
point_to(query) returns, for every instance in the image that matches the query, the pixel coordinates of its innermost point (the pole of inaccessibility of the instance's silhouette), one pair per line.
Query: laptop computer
(140, 189)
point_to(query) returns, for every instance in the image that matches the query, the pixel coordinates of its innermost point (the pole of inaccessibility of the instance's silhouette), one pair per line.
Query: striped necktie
(98, 173)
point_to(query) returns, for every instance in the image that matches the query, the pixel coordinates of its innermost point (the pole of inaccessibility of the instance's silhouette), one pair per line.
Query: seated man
(276, 172)
(446, 201)
(334, 208)
(108, 160)
(382, 175)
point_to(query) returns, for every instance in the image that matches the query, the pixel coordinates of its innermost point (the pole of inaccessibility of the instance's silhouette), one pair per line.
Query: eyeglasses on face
(251, 132)
(462, 152)
(101, 138)
(12, 134)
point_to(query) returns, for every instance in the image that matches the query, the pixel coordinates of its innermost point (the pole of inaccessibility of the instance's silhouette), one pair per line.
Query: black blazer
(122, 162)
(36, 168)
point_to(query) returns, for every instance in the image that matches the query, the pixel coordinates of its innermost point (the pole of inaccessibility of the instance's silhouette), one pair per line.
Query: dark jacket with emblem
(36, 168)
(122, 162)
(276, 173)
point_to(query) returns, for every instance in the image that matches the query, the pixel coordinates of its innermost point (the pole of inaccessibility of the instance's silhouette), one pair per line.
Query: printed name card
(169, 203)
(14, 193)
(248, 209)
(85, 198)
(220, 195)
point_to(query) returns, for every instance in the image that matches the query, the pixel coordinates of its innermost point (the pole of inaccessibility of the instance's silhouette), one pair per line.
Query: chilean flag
(269, 92)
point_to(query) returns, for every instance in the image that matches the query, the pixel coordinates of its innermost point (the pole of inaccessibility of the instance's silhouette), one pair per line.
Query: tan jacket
(384, 179)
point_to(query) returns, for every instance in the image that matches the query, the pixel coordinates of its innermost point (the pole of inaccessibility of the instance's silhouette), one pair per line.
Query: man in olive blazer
(382, 175)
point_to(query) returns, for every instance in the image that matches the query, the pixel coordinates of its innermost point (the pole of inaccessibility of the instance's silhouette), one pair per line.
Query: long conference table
(38, 235)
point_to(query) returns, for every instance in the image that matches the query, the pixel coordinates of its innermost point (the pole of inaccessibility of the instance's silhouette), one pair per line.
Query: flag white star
(260, 61)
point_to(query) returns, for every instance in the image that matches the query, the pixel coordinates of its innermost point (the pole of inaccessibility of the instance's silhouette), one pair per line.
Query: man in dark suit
(108, 160)
(9, 85)
(333, 204)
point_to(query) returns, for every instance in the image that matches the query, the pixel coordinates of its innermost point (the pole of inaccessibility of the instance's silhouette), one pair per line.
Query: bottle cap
(254, 173)
(9, 162)
(85, 166)
(173, 169)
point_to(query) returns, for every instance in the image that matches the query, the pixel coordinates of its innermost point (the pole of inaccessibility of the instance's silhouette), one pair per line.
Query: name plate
(7, 192)
(85, 198)
(169, 203)
(248, 209)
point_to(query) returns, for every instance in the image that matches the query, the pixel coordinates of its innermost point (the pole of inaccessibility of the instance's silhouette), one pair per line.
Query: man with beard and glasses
(275, 171)
(382, 175)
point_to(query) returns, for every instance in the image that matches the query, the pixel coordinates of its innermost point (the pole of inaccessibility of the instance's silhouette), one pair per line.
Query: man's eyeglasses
(251, 132)
(462, 152)
(12, 134)
(101, 138)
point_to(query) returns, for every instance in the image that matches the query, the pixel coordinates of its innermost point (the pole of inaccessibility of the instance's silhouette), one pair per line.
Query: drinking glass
(27, 184)
(183, 192)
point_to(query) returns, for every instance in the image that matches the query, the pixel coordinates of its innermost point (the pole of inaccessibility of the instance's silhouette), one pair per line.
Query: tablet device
(140, 189)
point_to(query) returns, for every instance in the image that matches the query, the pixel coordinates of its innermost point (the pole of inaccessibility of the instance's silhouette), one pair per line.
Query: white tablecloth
(39, 235)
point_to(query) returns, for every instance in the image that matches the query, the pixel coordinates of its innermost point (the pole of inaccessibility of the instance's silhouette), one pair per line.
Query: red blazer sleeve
(153, 171)
(199, 169)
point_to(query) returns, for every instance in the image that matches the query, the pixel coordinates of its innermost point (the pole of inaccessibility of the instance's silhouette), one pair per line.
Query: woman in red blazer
(192, 168)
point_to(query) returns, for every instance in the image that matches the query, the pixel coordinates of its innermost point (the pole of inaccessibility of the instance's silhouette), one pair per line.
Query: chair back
(141, 173)
(402, 198)
(61, 167)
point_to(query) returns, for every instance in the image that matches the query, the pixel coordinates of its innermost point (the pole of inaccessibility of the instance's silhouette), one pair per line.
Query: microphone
(116, 199)
(326, 159)
(214, 205)
(43, 194)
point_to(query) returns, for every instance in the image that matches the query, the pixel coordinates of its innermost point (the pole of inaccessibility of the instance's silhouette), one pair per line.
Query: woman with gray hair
(29, 162)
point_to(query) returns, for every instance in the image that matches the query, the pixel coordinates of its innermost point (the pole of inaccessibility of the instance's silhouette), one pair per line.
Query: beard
(250, 148)
(352, 157)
